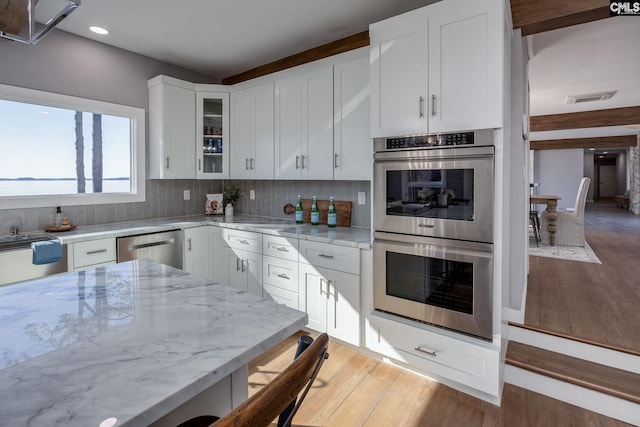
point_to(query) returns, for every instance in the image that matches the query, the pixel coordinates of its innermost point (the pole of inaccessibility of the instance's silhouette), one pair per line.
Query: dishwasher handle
(151, 244)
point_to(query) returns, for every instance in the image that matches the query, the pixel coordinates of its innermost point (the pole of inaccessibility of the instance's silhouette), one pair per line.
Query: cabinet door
(235, 273)
(399, 79)
(252, 133)
(353, 152)
(317, 124)
(218, 261)
(288, 127)
(171, 127)
(252, 268)
(197, 251)
(465, 68)
(212, 129)
(313, 296)
(343, 310)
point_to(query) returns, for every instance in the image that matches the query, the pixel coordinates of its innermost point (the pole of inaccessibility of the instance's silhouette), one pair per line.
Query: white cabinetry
(353, 152)
(243, 259)
(304, 125)
(252, 132)
(198, 251)
(172, 112)
(280, 269)
(437, 69)
(212, 129)
(330, 289)
(91, 254)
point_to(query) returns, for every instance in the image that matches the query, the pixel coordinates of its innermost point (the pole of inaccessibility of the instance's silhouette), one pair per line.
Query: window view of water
(42, 187)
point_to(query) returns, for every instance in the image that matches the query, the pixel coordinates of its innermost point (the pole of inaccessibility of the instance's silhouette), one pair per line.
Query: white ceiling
(225, 37)
(221, 38)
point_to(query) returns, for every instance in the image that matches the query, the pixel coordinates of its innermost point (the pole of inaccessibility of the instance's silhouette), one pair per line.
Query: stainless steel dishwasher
(165, 247)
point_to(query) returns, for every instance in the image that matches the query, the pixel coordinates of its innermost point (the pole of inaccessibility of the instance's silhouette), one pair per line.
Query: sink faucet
(13, 231)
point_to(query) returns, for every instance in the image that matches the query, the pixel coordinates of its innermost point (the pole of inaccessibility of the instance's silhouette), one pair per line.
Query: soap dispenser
(58, 216)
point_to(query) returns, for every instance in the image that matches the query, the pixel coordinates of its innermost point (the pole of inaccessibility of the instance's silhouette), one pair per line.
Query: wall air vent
(589, 97)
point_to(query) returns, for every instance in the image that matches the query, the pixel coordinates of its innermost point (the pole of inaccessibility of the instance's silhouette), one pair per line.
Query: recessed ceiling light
(99, 30)
(592, 149)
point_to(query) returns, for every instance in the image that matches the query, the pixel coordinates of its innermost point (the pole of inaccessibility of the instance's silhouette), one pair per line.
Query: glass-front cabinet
(212, 134)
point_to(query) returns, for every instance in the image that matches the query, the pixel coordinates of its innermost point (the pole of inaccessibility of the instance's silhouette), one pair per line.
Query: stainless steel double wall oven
(433, 222)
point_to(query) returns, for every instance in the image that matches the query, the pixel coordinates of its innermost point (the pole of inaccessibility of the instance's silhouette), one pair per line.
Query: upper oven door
(435, 192)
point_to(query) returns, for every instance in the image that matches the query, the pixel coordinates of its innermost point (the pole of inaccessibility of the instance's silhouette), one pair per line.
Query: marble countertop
(130, 341)
(359, 237)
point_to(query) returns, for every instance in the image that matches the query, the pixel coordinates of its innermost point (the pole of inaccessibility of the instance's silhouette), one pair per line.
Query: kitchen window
(63, 150)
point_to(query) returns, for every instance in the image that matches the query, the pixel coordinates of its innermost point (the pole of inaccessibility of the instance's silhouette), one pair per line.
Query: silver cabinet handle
(283, 276)
(167, 162)
(321, 280)
(189, 245)
(244, 242)
(426, 225)
(421, 107)
(237, 264)
(251, 163)
(302, 157)
(426, 351)
(335, 160)
(325, 256)
(97, 251)
(328, 290)
(246, 164)
(434, 103)
(199, 164)
(282, 249)
(242, 265)
(297, 167)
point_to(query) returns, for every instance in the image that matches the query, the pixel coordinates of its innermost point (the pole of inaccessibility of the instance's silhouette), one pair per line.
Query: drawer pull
(283, 276)
(426, 225)
(244, 242)
(326, 256)
(97, 251)
(426, 351)
(282, 249)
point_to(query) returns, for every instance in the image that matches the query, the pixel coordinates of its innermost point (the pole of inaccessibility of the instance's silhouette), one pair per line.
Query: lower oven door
(442, 282)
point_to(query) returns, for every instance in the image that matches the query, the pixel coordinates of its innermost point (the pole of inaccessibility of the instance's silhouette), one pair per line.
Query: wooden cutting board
(343, 211)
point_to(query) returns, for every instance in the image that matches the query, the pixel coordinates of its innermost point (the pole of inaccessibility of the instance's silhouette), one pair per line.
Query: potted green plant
(230, 195)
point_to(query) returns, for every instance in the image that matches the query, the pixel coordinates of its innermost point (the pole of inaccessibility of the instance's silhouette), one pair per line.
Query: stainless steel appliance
(16, 257)
(433, 221)
(435, 185)
(447, 283)
(165, 247)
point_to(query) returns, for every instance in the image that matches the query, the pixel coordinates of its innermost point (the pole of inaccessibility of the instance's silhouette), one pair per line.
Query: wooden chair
(278, 397)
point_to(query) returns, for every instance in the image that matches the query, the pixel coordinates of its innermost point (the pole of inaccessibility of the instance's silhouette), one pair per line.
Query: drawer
(280, 272)
(472, 365)
(334, 257)
(94, 252)
(281, 296)
(244, 240)
(280, 247)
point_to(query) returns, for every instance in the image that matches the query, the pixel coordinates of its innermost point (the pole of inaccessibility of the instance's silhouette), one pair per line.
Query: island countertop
(129, 341)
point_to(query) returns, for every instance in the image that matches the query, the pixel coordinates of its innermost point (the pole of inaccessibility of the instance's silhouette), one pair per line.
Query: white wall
(559, 173)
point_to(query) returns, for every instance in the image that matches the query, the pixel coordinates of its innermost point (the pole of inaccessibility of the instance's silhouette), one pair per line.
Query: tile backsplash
(164, 199)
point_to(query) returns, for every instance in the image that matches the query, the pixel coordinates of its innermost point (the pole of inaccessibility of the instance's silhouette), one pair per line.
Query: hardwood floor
(355, 390)
(596, 303)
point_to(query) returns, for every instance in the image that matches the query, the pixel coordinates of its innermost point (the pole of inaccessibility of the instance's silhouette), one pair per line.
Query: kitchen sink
(22, 241)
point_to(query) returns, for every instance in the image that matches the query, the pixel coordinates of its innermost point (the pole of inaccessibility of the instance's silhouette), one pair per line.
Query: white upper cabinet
(252, 132)
(212, 128)
(172, 112)
(399, 67)
(465, 73)
(353, 150)
(304, 125)
(437, 69)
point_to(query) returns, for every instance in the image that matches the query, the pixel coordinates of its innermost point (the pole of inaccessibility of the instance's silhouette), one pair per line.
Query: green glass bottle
(315, 213)
(331, 213)
(299, 211)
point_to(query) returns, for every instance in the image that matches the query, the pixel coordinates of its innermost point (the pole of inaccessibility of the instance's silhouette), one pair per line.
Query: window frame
(137, 153)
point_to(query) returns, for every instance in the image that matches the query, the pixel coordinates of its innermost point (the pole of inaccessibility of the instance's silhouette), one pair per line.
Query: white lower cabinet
(198, 251)
(280, 270)
(91, 254)
(243, 260)
(474, 366)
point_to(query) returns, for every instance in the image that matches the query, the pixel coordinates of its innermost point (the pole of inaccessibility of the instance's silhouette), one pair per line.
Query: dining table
(131, 344)
(552, 213)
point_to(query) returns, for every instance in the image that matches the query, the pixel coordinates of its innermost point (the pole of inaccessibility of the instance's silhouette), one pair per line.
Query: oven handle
(478, 152)
(475, 249)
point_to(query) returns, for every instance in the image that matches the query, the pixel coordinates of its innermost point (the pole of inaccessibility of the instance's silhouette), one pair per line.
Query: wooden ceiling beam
(586, 119)
(333, 48)
(536, 16)
(599, 142)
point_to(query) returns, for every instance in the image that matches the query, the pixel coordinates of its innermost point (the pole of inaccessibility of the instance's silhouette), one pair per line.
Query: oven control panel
(424, 141)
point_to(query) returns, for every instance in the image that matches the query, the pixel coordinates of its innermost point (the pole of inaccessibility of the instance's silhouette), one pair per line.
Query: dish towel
(46, 252)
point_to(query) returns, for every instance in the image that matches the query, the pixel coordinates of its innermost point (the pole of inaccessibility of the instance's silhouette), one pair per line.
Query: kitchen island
(127, 344)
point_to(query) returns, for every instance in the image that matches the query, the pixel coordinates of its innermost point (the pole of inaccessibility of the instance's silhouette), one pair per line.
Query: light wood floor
(597, 303)
(355, 390)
